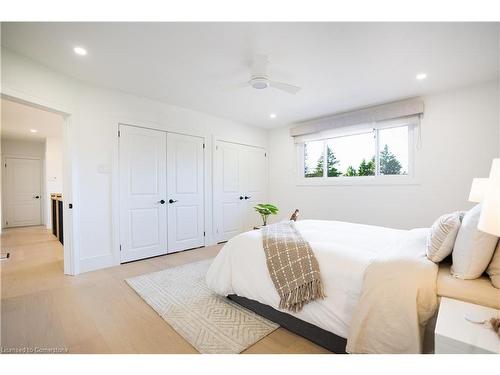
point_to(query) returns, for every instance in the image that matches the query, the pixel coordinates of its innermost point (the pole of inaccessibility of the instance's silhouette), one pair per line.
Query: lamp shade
(478, 189)
(489, 221)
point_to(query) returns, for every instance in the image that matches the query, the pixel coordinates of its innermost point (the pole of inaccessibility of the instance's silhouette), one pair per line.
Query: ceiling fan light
(80, 51)
(259, 83)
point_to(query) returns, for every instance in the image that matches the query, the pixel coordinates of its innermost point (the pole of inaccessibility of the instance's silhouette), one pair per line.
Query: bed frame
(326, 339)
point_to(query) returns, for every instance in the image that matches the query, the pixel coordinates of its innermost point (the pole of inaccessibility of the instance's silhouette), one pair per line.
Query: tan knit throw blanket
(292, 266)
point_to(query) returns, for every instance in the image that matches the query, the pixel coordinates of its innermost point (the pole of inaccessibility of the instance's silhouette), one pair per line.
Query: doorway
(34, 175)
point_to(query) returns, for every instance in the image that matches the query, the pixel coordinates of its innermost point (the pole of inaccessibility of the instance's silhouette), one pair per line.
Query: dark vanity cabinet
(57, 216)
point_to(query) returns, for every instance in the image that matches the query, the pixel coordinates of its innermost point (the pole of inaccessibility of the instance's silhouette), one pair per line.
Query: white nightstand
(456, 335)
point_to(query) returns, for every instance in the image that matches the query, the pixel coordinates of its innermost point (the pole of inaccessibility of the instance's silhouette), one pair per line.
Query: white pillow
(473, 249)
(494, 268)
(442, 236)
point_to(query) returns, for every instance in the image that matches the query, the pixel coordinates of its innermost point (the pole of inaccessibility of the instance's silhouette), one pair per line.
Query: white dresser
(456, 335)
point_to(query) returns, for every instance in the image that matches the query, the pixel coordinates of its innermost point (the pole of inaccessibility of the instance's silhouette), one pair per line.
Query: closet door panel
(185, 188)
(227, 190)
(255, 184)
(143, 219)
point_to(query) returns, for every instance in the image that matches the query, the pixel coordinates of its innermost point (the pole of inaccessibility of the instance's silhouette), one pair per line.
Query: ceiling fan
(260, 80)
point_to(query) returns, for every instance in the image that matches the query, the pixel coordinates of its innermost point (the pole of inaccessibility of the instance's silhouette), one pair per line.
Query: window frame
(377, 179)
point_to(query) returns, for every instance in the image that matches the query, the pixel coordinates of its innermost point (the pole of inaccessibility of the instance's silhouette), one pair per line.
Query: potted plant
(266, 209)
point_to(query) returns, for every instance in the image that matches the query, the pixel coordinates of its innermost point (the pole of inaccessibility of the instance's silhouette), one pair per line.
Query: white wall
(53, 173)
(460, 136)
(95, 114)
(19, 147)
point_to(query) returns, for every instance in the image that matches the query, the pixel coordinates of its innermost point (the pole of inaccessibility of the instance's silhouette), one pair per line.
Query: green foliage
(266, 209)
(332, 162)
(389, 164)
(367, 168)
(318, 172)
(350, 171)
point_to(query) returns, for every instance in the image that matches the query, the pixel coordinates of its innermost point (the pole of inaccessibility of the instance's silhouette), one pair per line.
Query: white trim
(71, 190)
(23, 97)
(208, 180)
(377, 151)
(70, 182)
(115, 201)
(359, 181)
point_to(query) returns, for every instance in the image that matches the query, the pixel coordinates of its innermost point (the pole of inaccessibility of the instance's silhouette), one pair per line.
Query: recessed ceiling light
(272, 115)
(33, 130)
(421, 76)
(80, 51)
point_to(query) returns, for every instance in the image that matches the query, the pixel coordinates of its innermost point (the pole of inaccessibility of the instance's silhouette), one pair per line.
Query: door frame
(70, 182)
(215, 213)
(4, 184)
(115, 181)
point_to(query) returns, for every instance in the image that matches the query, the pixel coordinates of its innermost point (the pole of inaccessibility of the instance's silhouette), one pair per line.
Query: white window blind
(390, 114)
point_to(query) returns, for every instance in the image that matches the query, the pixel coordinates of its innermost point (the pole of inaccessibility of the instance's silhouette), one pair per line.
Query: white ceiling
(18, 119)
(338, 65)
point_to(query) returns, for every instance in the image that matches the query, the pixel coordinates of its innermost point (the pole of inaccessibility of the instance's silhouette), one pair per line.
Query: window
(369, 154)
(313, 159)
(393, 151)
(351, 155)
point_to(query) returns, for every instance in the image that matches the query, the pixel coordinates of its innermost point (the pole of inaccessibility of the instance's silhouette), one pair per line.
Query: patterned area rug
(209, 322)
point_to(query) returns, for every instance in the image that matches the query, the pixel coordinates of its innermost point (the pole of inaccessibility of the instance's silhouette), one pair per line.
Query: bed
(380, 287)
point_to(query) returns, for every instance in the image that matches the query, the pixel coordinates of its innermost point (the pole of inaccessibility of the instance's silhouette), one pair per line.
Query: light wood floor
(95, 312)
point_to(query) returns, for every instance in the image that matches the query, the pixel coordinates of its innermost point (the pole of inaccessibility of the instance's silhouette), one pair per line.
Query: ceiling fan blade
(291, 89)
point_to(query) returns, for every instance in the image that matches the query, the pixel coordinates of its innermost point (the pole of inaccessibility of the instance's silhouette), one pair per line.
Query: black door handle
(241, 198)
(162, 201)
(172, 201)
(247, 197)
(37, 197)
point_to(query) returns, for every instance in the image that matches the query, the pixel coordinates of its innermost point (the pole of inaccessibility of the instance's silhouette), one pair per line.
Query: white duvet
(380, 287)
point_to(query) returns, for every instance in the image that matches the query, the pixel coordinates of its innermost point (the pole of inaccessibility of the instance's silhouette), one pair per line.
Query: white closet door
(22, 195)
(143, 216)
(255, 183)
(239, 183)
(228, 190)
(185, 192)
